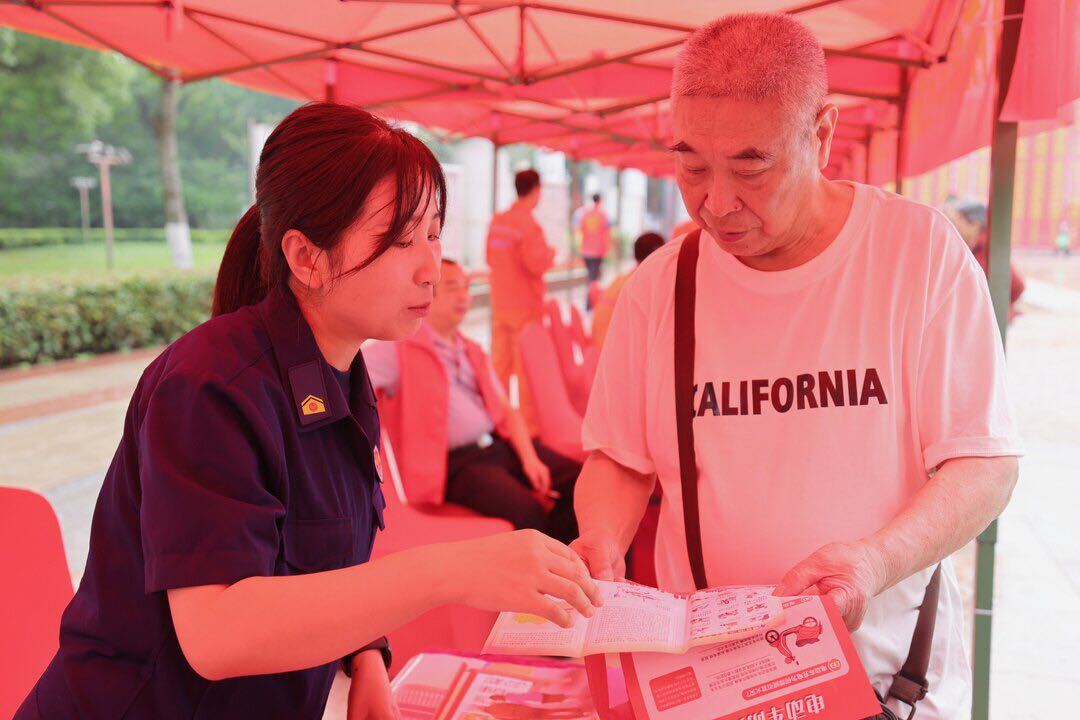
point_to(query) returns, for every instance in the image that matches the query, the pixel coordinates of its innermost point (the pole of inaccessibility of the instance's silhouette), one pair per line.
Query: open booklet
(637, 618)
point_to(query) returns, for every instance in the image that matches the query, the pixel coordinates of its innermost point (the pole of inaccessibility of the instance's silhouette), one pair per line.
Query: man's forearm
(954, 506)
(611, 499)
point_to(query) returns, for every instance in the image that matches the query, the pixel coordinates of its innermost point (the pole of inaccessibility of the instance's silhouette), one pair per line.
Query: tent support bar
(237, 48)
(511, 76)
(901, 129)
(160, 72)
(1002, 186)
(494, 176)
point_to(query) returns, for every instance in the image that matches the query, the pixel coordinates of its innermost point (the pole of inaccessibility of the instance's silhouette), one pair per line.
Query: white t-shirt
(825, 395)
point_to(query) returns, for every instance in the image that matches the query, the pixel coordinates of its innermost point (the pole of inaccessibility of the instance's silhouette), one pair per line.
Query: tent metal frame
(567, 119)
(457, 78)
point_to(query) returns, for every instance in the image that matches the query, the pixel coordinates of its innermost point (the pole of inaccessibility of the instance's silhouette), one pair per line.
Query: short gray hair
(754, 57)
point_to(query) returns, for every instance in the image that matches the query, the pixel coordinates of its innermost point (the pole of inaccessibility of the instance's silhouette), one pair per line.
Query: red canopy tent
(919, 82)
(586, 77)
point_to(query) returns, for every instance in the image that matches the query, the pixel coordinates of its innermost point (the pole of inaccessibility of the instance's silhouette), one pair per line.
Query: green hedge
(63, 322)
(11, 238)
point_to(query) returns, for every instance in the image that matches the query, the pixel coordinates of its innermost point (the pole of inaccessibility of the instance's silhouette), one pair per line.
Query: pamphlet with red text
(451, 685)
(805, 668)
(637, 618)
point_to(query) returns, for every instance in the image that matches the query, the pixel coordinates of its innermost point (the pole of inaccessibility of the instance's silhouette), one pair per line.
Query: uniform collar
(316, 395)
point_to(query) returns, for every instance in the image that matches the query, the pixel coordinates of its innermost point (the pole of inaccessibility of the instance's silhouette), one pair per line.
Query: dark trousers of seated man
(491, 481)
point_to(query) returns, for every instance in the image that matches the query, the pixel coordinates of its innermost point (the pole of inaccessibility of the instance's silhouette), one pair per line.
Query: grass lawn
(82, 263)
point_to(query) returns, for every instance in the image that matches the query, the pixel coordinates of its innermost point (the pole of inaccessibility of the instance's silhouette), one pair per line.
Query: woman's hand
(515, 571)
(369, 692)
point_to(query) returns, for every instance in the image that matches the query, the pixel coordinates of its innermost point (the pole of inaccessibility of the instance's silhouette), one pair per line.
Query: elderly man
(849, 402)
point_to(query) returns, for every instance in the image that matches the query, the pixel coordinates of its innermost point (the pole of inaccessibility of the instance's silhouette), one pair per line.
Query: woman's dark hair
(316, 172)
(525, 181)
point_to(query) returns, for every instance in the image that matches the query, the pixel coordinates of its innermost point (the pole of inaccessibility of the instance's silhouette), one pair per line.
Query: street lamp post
(84, 185)
(105, 156)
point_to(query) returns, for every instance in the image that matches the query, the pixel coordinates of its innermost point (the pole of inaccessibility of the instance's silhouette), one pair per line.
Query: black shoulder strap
(910, 684)
(685, 300)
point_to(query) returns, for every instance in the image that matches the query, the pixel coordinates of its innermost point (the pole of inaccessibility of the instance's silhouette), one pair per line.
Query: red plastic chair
(595, 291)
(577, 359)
(37, 588)
(577, 325)
(559, 423)
(408, 526)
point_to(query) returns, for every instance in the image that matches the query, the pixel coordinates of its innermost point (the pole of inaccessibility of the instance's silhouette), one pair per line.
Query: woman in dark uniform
(228, 568)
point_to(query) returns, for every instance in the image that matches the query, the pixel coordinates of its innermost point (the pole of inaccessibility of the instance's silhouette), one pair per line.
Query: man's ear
(309, 264)
(824, 130)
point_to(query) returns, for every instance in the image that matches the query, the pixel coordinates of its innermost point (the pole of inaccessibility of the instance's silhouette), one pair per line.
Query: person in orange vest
(605, 306)
(456, 437)
(595, 238)
(518, 257)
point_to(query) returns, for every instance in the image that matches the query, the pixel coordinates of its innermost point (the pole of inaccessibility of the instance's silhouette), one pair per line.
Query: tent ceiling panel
(507, 69)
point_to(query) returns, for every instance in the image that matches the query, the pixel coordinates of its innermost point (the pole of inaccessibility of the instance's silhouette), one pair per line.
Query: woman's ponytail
(239, 280)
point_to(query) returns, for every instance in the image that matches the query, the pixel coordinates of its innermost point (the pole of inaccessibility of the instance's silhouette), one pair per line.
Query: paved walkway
(59, 427)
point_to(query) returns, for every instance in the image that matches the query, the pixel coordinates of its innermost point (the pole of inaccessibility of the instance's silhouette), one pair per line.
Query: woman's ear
(308, 263)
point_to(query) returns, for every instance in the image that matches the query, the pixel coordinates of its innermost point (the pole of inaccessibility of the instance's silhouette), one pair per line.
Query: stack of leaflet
(448, 685)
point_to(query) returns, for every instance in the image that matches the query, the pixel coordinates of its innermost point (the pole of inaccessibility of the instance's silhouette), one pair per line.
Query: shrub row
(11, 238)
(54, 323)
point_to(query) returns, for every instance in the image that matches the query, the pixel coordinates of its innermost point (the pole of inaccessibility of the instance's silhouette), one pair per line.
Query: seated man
(456, 437)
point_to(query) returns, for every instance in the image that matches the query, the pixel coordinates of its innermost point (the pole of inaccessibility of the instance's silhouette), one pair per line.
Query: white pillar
(476, 158)
(632, 203)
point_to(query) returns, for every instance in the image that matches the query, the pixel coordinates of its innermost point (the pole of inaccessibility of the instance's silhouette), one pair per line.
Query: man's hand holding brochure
(731, 653)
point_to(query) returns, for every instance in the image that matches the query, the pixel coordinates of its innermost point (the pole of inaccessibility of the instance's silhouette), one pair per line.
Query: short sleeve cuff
(938, 453)
(637, 463)
(167, 571)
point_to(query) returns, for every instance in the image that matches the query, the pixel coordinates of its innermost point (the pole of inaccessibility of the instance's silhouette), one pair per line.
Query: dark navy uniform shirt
(241, 456)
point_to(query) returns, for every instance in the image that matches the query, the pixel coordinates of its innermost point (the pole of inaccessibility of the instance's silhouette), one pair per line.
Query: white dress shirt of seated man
(851, 424)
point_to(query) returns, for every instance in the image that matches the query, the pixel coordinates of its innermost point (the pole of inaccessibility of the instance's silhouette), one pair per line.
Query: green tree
(58, 95)
(212, 127)
(55, 96)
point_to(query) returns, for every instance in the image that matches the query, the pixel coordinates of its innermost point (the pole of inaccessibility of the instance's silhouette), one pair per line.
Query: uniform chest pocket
(317, 545)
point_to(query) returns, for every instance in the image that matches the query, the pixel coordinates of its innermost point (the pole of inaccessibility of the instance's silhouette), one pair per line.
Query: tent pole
(1002, 185)
(576, 200)
(330, 81)
(901, 128)
(866, 160)
(494, 176)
